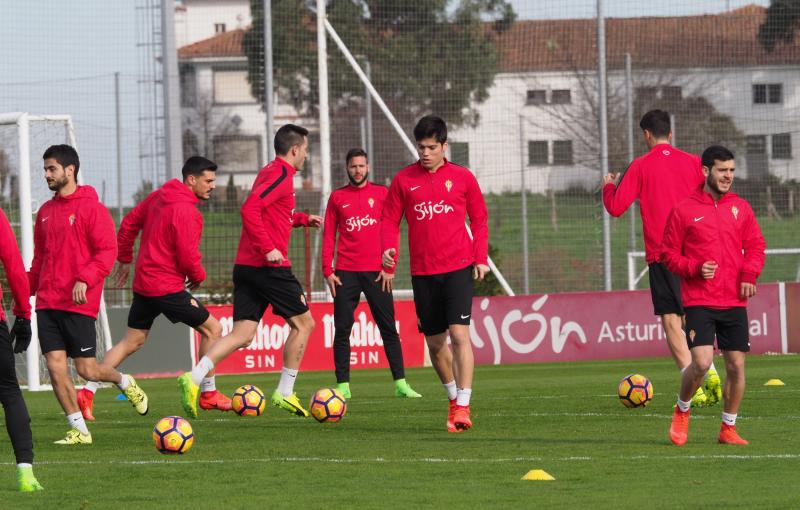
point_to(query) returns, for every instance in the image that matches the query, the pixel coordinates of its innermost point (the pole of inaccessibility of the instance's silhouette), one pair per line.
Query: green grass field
(391, 453)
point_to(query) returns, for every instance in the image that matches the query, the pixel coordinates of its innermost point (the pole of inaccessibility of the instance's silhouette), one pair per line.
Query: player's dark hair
(196, 165)
(431, 126)
(66, 155)
(657, 122)
(715, 153)
(287, 137)
(354, 153)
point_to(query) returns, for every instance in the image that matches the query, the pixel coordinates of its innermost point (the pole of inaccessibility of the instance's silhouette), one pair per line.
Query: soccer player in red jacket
(713, 242)
(436, 196)
(18, 421)
(262, 274)
(74, 251)
(659, 180)
(354, 213)
(169, 257)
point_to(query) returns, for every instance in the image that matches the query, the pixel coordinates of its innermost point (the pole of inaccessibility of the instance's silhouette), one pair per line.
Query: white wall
(195, 20)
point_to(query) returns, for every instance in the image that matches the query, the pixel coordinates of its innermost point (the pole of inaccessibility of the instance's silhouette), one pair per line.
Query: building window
(756, 144)
(231, 86)
(782, 146)
(767, 93)
(537, 153)
(537, 97)
(646, 94)
(188, 85)
(459, 153)
(561, 97)
(237, 153)
(562, 152)
(219, 28)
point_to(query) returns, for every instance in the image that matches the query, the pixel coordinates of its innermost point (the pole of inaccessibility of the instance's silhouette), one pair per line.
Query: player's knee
(88, 372)
(305, 323)
(734, 367)
(701, 366)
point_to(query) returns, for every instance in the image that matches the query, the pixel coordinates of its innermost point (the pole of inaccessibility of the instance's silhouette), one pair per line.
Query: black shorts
(665, 289)
(729, 325)
(443, 299)
(255, 288)
(177, 307)
(60, 330)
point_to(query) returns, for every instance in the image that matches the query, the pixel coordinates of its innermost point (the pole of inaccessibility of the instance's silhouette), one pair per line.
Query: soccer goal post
(23, 138)
(322, 21)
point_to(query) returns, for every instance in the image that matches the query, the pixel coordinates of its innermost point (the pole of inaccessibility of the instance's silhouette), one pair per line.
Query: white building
(196, 20)
(536, 115)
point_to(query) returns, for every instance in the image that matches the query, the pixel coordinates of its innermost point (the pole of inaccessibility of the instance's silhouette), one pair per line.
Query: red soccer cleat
(461, 418)
(679, 430)
(214, 400)
(85, 402)
(451, 427)
(728, 435)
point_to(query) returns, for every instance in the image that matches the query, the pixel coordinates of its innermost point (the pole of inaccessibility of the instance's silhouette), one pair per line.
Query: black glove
(22, 332)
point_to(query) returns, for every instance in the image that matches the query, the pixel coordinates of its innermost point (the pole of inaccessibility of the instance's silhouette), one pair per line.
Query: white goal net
(23, 140)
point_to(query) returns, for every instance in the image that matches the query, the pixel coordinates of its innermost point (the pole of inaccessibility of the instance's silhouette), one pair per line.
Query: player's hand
(22, 332)
(479, 271)
(314, 220)
(708, 269)
(275, 256)
(611, 178)
(386, 280)
(333, 281)
(121, 274)
(79, 293)
(748, 290)
(388, 258)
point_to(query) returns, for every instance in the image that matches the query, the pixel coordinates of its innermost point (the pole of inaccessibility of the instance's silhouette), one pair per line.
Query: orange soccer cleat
(451, 426)
(214, 400)
(86, 402)
(461, 418)
(728, 435)
(679, 430)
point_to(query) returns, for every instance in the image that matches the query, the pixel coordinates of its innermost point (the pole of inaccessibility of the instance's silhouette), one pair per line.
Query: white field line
(423, 460)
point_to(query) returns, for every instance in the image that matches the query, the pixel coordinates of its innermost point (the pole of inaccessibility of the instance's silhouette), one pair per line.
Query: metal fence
(517, 82)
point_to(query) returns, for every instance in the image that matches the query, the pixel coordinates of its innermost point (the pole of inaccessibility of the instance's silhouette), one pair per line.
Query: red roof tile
(226, 44)
(728, 39)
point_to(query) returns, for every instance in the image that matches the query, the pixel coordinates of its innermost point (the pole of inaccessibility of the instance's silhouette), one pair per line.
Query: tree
(427, 56)
(780, 24)
(145, 188)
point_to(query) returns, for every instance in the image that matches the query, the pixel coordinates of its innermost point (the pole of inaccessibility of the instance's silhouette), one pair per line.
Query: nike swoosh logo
(700, 218)
(345, 206)
(465, 316)
(86, 349)
(412, 188)
(45, 218)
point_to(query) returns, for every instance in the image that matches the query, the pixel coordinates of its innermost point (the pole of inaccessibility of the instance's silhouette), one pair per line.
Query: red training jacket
(73, 242)
(659, 179)
(355, 213)
(15, 271)
(699, 230)
(169, 252)
(435, 206)
(268, 216)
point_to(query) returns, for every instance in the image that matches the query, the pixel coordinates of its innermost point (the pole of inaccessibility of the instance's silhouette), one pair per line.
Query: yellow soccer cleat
(136, 396)
(189, 391)
(713, 387)
(699, 399)
(26, 481)
(290, 403)
(74, 436)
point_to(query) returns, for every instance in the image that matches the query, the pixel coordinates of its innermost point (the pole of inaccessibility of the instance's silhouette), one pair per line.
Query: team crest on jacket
(71, 219)
(371, 202)
(448, 184)
(735, 211)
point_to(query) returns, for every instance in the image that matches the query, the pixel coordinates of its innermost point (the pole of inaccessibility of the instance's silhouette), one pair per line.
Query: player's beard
(358, 183)
(714, 185)
(56, 185)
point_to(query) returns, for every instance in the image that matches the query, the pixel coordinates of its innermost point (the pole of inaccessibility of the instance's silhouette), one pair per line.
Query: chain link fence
(516, 81)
